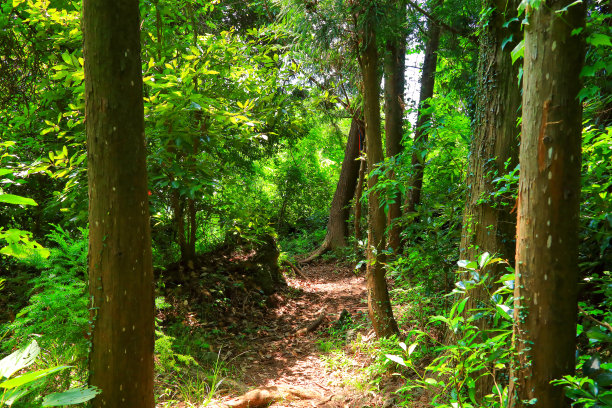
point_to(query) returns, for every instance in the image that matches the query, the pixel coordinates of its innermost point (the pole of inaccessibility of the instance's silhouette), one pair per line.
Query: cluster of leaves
(18, 387)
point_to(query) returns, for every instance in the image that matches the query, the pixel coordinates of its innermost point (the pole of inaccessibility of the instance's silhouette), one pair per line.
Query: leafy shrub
(474, 352)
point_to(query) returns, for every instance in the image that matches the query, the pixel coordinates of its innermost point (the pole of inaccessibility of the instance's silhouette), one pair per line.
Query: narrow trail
(285, 353)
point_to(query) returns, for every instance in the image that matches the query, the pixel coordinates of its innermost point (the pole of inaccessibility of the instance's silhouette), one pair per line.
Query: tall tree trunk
(488, 223)
(548, 203)
(428, 78)
(379, 304)
(395, 67)
(120, 266)
(339, 212)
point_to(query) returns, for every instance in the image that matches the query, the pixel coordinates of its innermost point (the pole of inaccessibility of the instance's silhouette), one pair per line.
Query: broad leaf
(70, 397)
(19, 359)
(396, 359)
(14, 199)
(30, 377)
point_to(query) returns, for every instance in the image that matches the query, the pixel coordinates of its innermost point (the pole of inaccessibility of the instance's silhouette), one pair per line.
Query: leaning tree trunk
(488, 223)
(548, 204)
(379, 304)
(120, 266)
(339, 212)
(395, 66)
(428, 78)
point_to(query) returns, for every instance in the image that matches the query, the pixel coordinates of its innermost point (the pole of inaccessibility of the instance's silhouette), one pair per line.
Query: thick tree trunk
(120, 267)
(488, 223)
(379, 304)
(395, 66)
(339, 212)
(548, 204)
(428, 78)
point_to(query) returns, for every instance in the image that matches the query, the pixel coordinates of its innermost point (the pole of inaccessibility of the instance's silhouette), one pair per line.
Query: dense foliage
(247, 112)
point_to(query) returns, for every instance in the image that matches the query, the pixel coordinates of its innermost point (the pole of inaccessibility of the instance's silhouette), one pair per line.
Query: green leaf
(19, 359)
(504, 311)
(506, 41)
(411, 348)
(396, 359)
(597, 40)
(14, 199)
(9, 397)
(518, 51)
(462, 305)
(70, 397)
(30, 377)
(483, 260)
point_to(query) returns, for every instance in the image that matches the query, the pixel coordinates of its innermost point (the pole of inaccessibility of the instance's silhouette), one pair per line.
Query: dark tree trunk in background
(489, 224)
(379, 304)
(395, 67)
(120, 267)
(358, 193)
(339, 212)
(428, 78)
(548, 204)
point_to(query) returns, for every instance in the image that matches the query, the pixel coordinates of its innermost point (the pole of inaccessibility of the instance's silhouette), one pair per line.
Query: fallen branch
(264, 396)
(313, 325)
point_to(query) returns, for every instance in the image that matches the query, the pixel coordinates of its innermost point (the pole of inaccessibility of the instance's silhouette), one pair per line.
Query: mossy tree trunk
(120, 267)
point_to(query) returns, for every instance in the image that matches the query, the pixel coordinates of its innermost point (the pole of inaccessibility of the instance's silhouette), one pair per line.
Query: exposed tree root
(264, 396)
(325, 246)
(294, 268)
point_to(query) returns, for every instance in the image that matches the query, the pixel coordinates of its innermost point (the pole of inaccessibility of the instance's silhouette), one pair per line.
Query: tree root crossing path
(311, 348)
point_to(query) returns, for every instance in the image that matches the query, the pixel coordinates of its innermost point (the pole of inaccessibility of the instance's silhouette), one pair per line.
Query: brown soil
(284, 352)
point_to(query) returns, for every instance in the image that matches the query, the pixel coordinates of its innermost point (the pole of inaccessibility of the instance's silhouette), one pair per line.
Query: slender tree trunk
(358, 194)
(395, 67)
(120, 266)
(488, 223)
(548, 204)
(379, 304)
(339, 212)
(419, 151)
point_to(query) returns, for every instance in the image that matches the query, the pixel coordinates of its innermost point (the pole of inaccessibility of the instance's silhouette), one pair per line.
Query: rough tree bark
(337, 224)
(394, 67)
(428, 78)
(120, 267)
(379, 304)
(548, 204)
(488, 223)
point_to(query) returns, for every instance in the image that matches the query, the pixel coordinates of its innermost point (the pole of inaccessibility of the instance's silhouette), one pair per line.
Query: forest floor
(313, 348)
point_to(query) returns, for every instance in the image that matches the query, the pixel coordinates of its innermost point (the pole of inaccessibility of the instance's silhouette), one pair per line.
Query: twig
(591, 318)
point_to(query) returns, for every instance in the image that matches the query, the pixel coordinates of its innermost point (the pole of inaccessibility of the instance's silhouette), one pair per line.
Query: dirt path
(281, 354)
